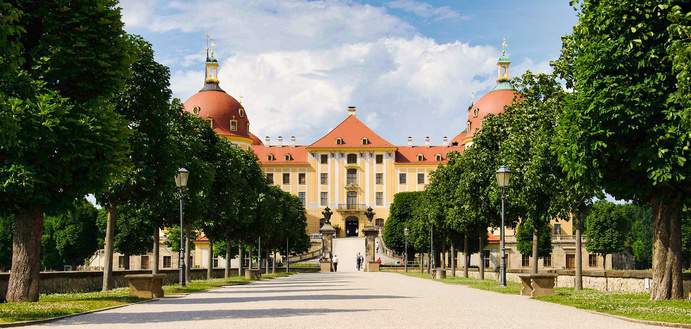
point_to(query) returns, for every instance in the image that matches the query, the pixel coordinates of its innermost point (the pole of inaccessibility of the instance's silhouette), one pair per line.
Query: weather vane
(210, 45)
(504, 45)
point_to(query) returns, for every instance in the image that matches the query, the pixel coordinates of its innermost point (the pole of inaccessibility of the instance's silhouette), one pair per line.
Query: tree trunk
(26, 256)
(210, 267)
(453, 260)
(156, 250)
(226, 272)
(273, 263)
(466, 256)
(266, 262)
(482, 258)
(422, 260)
(578, 283)
(108, 249)
(604, 270)
(187, 258)
(667, 276)
(533, 259)
(240, 260)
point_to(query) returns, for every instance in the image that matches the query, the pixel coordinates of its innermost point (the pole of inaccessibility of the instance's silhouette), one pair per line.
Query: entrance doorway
(351, 226)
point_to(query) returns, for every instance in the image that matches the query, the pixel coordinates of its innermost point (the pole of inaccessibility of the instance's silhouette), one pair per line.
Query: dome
(226, 115)
(493, 102)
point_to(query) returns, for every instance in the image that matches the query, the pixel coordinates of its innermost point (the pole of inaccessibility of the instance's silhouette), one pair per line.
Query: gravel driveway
(346, 300)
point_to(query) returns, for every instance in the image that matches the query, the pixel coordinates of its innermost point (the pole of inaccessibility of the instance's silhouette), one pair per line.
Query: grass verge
(637, 306)
(57, 305)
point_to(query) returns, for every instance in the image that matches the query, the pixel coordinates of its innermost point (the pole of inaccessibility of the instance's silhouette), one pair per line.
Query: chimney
(351, 110)
(267, 141)
(427, 141)
(292, 141)
(280, 140)
(445, 141)
(410, 140)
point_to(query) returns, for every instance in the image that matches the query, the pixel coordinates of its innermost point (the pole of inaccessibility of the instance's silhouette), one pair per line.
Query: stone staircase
(346, 249)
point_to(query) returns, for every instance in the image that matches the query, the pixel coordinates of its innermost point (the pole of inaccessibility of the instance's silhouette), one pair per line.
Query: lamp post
(405, 235)
(181, 183)
(431, 243)
(503, 176)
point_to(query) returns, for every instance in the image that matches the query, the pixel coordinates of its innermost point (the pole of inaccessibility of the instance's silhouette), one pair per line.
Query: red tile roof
(409, 154)
(298, 154)
(351, 131)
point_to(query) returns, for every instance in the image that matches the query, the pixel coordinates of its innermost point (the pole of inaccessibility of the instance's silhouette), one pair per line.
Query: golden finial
(504, 45)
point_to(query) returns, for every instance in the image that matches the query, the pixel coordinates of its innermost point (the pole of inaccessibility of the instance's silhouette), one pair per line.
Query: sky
(411, 67)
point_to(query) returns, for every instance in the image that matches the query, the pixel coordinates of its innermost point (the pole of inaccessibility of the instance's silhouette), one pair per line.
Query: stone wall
(86, 281)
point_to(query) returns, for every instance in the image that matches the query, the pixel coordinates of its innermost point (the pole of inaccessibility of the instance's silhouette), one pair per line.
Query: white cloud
(298, 64)
(137, 12)
(424, 10)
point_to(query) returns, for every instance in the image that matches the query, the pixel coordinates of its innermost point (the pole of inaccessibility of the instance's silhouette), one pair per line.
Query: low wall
(86, 281)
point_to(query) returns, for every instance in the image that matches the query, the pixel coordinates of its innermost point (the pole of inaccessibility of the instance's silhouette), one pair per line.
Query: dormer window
(271, 157)
(211, 122)
(420, 157)
(339, 141)
(475, 112)
(470, 125)
(438, 157)
(365, 141)
(233, 125)
(241, 112)
(288, 157)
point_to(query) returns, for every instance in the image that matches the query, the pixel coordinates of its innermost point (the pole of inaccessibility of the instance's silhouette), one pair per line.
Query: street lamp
(405, 235)
(431, 243)
(503, 176)
(181, 182)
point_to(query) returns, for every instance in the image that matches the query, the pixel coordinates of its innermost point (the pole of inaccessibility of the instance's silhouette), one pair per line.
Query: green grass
(55, 305)
(631, 305)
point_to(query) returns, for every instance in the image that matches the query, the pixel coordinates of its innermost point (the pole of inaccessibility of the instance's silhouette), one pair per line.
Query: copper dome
(493, 102)
(222, 110)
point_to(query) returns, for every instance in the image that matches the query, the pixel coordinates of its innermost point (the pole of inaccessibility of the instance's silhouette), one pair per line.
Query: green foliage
(6, 229)
(606, 228)
(69, 238)
(400, 216)
(686, 242)
(640, 235)
(173, 237)
(524, 239)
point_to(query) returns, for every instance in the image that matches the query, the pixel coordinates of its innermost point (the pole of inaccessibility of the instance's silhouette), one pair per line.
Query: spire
(211, 67)
(503, 63)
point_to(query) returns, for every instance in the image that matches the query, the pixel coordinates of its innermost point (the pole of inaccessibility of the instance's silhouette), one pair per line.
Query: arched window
(352, 158)
(339, 141)
(475, 112)
(438, 157)
(365, 141)
(271, 157)
(288, 157)
(420, 157)
(241, 112)
(470, 125)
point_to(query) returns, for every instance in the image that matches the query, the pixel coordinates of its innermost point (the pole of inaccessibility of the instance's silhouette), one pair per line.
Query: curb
(41, 321)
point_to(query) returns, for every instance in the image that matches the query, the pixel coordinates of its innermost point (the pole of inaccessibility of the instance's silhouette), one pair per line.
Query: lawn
(631, 305)
(55, 305)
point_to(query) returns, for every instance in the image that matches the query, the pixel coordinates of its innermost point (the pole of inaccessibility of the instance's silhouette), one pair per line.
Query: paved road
(346, 300)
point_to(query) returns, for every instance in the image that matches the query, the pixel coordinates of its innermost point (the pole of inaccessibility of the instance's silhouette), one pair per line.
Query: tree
(524, 239)
(606, 228)
(640, 235)
(401, 216)
(6, 229)
(70, 238)
(625, 62)
(67, 138)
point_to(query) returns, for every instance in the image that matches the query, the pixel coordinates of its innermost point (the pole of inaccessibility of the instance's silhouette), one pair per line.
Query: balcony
(351, 207)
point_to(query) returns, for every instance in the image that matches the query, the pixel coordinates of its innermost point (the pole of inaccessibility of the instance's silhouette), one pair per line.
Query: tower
(211, 67)
(503, 63)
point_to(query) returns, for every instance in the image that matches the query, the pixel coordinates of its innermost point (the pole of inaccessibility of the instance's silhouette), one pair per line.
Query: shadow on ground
(223, 300)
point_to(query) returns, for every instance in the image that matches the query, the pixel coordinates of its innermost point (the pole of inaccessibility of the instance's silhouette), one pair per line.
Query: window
(469, 127)
(525, 260)
(365, 141)
(420, 157)
(241, 112)
(547, 261)
(324, 158)
(351, 200)
(475, 112)
(233, 125)
(420, 178)
(380, 198)
(271, 157)
(556, 230)
(351, 176)
(379, 222)
(288, 157)
(379, 158)
(570, 261)
(215, 262)
(401, 178)
(352, 158)
(286, 178)
(167, 262)
(301, 195)
(144, 263)
(121, 262)
(301, 178)
(324, 178)
(324, 198)
(211, 122)
(438, 157)
(592, 260)
(270, 178)
(379, 178)
(339, 141)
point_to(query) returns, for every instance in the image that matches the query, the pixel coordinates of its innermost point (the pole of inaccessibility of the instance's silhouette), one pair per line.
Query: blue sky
(411, 67)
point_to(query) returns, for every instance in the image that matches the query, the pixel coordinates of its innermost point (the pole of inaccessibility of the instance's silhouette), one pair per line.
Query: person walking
(358, 261)
(335, 261)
